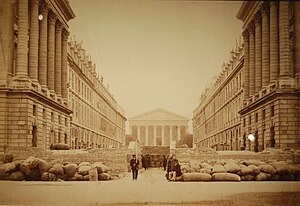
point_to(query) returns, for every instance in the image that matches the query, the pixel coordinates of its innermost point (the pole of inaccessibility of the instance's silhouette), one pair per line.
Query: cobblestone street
(151, 188)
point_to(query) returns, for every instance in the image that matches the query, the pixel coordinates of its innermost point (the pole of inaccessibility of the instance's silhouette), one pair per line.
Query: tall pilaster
(146, 134)
(171, 134)
(138, 132)
(34, 40)
(162, 135)
(297, 40)
(265, 45)
(43, 45)
(258, 73)
(58, 58)
(22, 49)
(284, 39)
(246, 64)
(251, 60)
(51, 51)
(274, 66)
(178, 133)
(64, 64)
(154, 135)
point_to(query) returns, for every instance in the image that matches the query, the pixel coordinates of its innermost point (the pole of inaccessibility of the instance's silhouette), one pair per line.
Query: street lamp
(40, 17)
(251, 137)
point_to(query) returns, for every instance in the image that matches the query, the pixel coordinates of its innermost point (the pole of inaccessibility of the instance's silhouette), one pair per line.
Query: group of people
(171, 166)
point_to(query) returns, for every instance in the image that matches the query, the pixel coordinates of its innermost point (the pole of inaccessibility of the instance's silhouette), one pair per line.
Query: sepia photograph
(149, 102)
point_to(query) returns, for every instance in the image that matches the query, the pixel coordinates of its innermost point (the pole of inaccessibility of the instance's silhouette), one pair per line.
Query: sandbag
(57, 169)
(17, 176)
(76, 177)
(24, 167)
(100, 167)
(84, 170)
(206, 166)
(104, 176)
(247, 177)
(189, 177)
(45, 176)
(283, 168)
(4, 175)
(262, 176)
(84, 164)
(232, 167)
(255, 169)
(33, 162)
(185, 168)
(297, 177)
(226, 177)
(70, 169)
(34, 175)
(195, 164)
(267, 169)
(244, 170)
(287, 177)
(60, 146)
(93, 174)
(9, 167)
(52, 177)
(86, 177)
(295, 169)
(253, 162)
(205, 170)
(43, 166)
(218, 169)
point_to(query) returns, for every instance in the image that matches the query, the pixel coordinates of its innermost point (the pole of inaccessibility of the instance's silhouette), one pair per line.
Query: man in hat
(134, 163)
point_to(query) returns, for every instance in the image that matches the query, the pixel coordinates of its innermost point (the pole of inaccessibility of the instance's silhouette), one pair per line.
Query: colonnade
(44, 59)
(267, 46)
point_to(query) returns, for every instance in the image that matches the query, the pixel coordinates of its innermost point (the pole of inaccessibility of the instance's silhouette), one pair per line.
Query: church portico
(158, 128)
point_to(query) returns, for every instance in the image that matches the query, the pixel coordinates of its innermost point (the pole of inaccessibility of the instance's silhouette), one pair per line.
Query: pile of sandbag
(36, 169)
(233, 170)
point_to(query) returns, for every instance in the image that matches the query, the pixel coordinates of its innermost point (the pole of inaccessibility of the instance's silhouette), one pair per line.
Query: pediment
(159, 115)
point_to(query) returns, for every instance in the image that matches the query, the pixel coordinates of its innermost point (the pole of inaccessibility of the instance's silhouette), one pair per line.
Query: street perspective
(149, 102)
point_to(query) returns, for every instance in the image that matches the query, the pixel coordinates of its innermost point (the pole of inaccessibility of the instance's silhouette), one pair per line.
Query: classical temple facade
(42, 79)
(158, 128)
(98, 121)
(259, 94)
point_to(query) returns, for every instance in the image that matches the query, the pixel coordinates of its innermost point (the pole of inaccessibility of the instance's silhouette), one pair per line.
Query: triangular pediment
(159, 115)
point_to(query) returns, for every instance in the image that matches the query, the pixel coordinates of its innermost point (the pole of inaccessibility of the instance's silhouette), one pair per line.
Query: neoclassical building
(158, 128)
(271, 104)
(97, 120)
(216, 121)
(264, 100)
(49, 92)
(33, 74)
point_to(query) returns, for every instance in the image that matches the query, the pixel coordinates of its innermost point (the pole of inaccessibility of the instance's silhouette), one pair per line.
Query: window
(66, 122)
(44, 114)
(264, 114)
(34, 110)
(272, 111)
(52, 117)
(244, 122)
(256, 117)
(59, 119)
(249, 119)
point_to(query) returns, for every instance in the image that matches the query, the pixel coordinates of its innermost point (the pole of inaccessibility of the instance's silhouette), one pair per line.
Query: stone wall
(115, 158)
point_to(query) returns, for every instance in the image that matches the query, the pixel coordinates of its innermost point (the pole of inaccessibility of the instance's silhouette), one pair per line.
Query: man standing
(134, 163)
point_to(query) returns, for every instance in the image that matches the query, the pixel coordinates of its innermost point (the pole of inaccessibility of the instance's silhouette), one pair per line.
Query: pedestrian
(144, 162)
(134, 163)
(176, 173)
(165, 163)
(170, 165)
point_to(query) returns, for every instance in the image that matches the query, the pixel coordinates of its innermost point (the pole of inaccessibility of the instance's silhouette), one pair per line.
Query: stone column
(138, 132)
(154, 135)
(171, 134)
(284, 39)
(34, 40)
(58, 43)
(258, 73)
(297, 40)
(265, 45)
(64, 64)
(43, 42)
(51, 51)
(22, 49)
(274, 67)
(178, 133)
(162, 135)
(246, 64)
(146, 136)
(251, 60)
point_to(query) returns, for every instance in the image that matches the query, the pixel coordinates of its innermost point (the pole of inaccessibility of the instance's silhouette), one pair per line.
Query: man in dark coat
(134, 163)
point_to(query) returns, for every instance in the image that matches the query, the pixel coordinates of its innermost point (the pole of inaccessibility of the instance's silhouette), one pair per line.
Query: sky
(157, 54)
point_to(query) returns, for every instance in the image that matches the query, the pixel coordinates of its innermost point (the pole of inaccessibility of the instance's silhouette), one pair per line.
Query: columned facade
(271, 110)
(158, 128)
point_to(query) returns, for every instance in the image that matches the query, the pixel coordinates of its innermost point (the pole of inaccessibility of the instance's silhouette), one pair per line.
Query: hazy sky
(157, 53)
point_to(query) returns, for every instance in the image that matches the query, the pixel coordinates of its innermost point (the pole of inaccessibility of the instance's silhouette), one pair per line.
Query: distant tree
(128, 139)
(186, 141)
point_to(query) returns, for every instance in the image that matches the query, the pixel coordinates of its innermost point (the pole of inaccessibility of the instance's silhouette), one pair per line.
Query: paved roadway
(151, 189)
